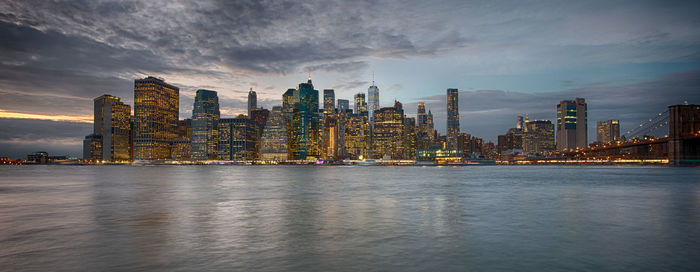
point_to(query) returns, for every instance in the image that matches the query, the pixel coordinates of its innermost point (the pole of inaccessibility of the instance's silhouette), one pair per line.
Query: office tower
(538, 136)
(360, 103)
(156, 111)
(205, 119)
(99, 104)
(608, 131)
(511, 142)
(182, 146)
(372, 100)
(430, 126)
(330, 147)
(305, 122)
(343, 105)
(519, 122)
(421, 118)
(92, 147)
(357, 136)
(572, 124)
(116, 145)
(252, 101)
(274, 137)
(328, 101)
(388, 132)
(409, 138)
(238, 139)
(452, 118)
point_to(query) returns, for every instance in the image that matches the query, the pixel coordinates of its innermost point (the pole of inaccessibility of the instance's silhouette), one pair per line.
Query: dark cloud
(18, 137)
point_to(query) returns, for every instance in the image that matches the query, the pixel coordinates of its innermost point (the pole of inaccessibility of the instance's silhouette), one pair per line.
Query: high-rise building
(259, 116)
(343, 105)
(156, 112)
(421, 118)
(430, 126)
(252, 101)
(372, 100)
(238, 139)
(328, 101)
(360, 103)
(99, 104)
(305, 122)
(116, 144)
(572, 124)
(452, 118)
(92, 147)
(388, 133)
(205, 123)
(357, 135)
(608, 131)
(182, 146)
(409, 138)
(538, 136)
(274, 138)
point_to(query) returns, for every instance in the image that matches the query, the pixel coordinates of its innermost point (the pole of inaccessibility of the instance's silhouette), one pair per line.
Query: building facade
(238, 139)
(205, 122)
(538, 137)
(388, 133)
(608, 131)
(360, 103)
(252, 101)
(116, 140)
(372, 101)
(572, 124)
(156, 113)
(328, 101)
(274, 137)
(452, 118)
(305, 136)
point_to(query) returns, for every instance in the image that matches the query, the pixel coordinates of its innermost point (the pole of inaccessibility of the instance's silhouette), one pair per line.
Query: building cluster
(298, 129)
(538, 137)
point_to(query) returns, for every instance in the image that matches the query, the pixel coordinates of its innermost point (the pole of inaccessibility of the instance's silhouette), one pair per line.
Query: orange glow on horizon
(55, 118)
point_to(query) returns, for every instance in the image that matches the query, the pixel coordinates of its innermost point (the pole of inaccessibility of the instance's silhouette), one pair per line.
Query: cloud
(18, 137)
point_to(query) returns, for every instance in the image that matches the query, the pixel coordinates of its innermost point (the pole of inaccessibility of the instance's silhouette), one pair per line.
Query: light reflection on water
(349, 218)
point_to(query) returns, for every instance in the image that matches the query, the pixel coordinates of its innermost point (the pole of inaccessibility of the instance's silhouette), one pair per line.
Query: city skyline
(632, 63)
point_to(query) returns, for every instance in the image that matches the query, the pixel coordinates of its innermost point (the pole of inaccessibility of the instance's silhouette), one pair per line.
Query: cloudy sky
(629, 59)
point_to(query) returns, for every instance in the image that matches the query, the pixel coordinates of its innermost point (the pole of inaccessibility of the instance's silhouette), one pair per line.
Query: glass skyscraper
(305, 122)
(328, 101)
(205, 119)
(274, 138)
(372, 100)
(452, 118)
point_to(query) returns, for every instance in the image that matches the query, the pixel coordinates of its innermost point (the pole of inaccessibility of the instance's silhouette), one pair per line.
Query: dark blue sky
(629, 59)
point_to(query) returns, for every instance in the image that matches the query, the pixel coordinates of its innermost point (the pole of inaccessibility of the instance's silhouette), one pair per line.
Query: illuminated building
(409, 138)
(330, 138)
(439, 155)
(328, 101)
(388, 133)
(92, 147)
(182, 147)
(452, 118)
(116, 145)
(252, 101)
(343, 106)
(538, 136)
(238, 139)
(357, 136)
(205, 119)
(305, 123)
(572, 124)
(511, 142)
(156, 112)
(288, 113)
(372, 101)
(608, 131)
(274, 138)
(360, 103)
(430, 126)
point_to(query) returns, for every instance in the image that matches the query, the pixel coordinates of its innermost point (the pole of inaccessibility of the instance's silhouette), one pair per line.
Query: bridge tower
(684, 134)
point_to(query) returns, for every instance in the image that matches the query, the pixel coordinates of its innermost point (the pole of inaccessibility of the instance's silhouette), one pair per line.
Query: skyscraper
(116, 144)
(99, 104)
(328, 101)
(156, 111)
(360, 103)
(388, 132)
(452, 118)
(343, 105)
(357, 137)
(182, 146)
(608, 131)
(205, 119)
(305, 122)
(372, 100)
(252, 101)
(572, 124)
(274, 137)
(430, 126)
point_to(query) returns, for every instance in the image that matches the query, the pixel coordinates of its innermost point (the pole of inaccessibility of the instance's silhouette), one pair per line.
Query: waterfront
(303, 218)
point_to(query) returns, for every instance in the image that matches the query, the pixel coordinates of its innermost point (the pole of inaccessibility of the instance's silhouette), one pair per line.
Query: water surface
(282, 218)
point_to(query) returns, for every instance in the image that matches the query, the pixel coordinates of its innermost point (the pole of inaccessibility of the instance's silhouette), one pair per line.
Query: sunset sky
(628, 59)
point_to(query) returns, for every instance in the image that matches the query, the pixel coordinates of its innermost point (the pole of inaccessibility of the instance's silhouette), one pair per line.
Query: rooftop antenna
(372, 78)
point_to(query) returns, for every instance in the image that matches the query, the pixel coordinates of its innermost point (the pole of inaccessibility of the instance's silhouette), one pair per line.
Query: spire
(373, 78)
(309, 77)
